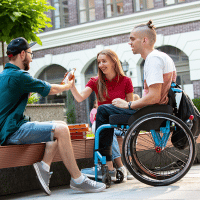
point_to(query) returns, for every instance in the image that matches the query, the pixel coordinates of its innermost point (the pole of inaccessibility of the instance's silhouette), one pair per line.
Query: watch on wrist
(129, 105)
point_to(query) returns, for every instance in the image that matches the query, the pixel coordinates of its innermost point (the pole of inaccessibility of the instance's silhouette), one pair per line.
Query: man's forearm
(56, 89)
(149, 99)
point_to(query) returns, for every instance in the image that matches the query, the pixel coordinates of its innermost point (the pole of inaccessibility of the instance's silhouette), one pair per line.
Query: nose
(129, 42)
(100, 64)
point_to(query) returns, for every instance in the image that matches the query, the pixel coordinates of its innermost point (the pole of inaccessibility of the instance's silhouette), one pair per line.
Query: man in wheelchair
(159, 72)
(148, 151)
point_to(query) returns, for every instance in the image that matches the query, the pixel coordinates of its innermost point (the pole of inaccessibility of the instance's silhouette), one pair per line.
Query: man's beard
(26, 64)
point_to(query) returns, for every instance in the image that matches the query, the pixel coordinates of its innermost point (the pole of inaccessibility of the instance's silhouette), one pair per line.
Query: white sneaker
(129, 176)
(87, 185)
(124, 171)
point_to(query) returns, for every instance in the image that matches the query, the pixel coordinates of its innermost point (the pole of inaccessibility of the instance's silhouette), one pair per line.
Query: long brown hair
(101, 80)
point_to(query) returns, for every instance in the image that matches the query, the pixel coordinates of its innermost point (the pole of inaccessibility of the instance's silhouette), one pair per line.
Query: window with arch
(86, 10)
(181, 62)
(53, 74)
(114, 8)
(61, 14)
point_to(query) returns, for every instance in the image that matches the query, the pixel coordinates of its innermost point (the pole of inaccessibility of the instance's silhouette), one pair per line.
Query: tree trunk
(3, 53)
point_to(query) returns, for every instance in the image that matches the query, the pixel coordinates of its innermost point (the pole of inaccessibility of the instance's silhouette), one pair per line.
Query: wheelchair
(149, 151)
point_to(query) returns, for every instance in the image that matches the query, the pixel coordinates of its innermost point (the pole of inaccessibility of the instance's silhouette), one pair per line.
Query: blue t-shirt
(15, 86)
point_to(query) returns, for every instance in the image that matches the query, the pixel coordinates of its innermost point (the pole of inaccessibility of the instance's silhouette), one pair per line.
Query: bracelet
(129, 105)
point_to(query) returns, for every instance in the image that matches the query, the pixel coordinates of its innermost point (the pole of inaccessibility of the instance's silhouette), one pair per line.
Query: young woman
(111, 83)
(116, 155)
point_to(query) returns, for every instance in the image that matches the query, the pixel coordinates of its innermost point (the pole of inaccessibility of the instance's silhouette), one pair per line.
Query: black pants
(106, 135)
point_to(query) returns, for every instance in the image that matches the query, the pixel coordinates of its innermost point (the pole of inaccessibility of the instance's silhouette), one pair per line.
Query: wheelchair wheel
(149, 153)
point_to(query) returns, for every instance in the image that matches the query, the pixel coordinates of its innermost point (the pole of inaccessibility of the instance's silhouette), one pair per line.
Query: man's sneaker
(90, 172)
(129, 176)
(87, 185)
(124, 171)
(43, 177)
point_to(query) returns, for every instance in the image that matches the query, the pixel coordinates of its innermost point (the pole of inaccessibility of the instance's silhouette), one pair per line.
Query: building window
(171, 2)
(86, 10)
(114, 8)
(61, 14)
(141, 5)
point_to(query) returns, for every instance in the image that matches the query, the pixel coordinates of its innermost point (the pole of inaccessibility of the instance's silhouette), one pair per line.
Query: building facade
(82, 28)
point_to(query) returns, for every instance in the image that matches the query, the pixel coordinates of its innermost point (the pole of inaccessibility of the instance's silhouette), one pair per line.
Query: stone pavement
(187, 188)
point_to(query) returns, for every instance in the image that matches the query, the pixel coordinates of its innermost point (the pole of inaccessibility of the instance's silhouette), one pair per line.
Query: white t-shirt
(159, 68)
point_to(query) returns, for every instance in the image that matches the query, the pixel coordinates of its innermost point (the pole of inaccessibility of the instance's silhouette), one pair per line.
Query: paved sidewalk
(187, 188)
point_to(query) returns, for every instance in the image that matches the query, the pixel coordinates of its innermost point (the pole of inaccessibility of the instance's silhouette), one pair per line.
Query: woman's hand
(120, 103)
(70, 83)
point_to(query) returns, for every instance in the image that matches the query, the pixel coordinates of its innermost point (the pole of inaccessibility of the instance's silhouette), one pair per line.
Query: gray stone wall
(124, 38)
(73, 15)
(158, 4)
(81, 114)
(196, 87)
(45, 112)
(99, 10)
(50, 15)
(128, 7)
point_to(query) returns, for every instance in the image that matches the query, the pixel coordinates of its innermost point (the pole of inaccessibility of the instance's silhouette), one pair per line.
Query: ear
(23, 55)
(145, 39)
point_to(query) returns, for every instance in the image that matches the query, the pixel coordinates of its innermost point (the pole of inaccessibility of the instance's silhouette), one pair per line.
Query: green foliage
(33, 98)
(197, 103)
(71, 113)
(23, 18)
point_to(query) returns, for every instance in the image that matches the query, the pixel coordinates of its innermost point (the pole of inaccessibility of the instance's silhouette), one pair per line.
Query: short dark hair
(148, 30)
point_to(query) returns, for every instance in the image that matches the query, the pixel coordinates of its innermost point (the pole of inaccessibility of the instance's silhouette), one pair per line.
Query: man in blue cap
(16, 85)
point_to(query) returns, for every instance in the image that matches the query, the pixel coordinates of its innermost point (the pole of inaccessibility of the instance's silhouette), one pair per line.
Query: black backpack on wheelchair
(185, 110)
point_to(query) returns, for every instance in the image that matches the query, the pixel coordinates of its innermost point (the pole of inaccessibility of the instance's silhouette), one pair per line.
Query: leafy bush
(197, 103)
(71, 112)
(33, 98)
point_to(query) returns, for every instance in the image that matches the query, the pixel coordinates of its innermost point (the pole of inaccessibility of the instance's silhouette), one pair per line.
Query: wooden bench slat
(23, 155)
(20, 155)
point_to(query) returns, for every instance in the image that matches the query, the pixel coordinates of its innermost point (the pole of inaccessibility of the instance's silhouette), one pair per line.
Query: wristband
(129, 105)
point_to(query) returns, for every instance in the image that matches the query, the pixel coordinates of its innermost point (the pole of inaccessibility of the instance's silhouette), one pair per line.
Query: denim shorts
(32, 132)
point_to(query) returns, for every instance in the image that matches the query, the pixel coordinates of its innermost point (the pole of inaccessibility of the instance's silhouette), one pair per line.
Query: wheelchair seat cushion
(119, 119)
(123, 119)
(150, 109)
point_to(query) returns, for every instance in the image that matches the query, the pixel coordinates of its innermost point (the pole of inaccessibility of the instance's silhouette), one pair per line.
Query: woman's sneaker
(90, 172)
(124, 171)
(87, 185)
